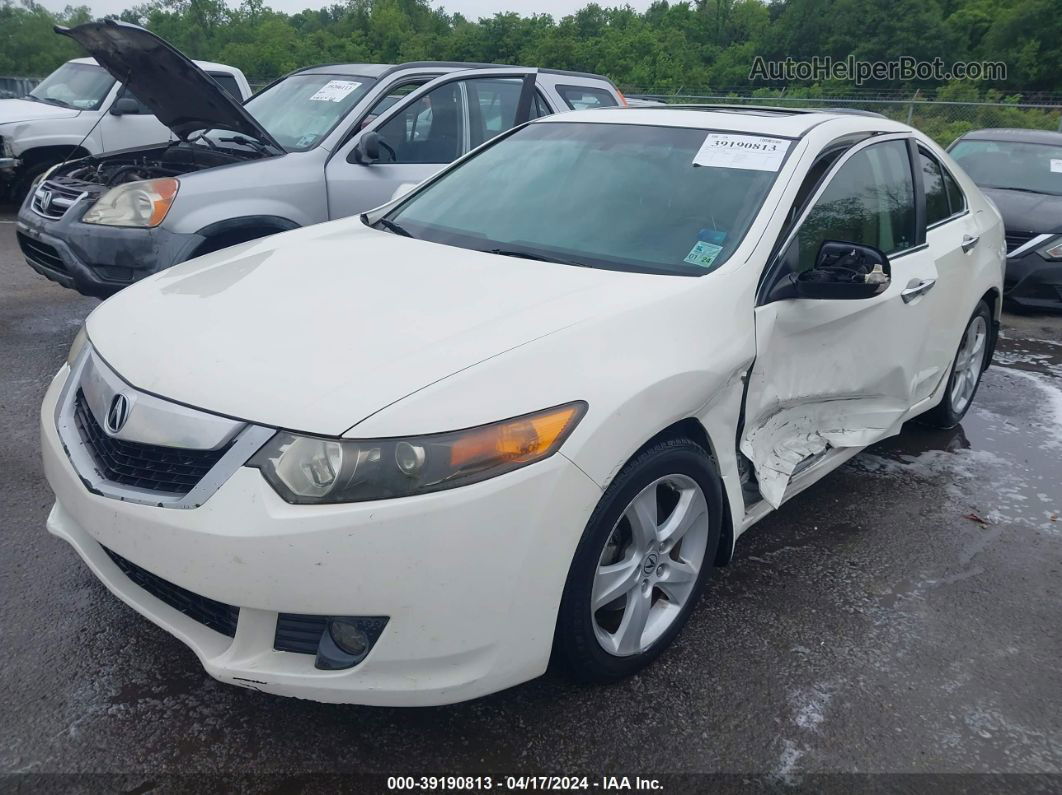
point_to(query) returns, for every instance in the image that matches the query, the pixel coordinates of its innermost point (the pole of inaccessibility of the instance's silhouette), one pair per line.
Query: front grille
(1016, 240)
(54, 197)
(299, 633)
(171, 470)
(218, 616)
(41, 253)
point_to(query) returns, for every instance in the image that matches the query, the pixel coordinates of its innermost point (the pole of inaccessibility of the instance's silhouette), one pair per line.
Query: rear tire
(641, 565)
(970, 361)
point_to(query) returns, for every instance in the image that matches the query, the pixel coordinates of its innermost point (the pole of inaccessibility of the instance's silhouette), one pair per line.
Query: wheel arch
(994, 299)
(47, 154)
(693, 429)
(231, 231)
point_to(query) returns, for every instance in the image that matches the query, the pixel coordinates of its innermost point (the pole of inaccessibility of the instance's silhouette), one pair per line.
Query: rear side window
(228, 82)
(584, 98)
(956, 198)
(937, 208)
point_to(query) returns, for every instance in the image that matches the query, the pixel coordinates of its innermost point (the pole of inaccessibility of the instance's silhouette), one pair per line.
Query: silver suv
(320, 143)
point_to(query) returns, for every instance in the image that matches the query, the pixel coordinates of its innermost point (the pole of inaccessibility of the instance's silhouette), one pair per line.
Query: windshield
(75, 85)
(1011, 165)
(618, 196)
(302, 109)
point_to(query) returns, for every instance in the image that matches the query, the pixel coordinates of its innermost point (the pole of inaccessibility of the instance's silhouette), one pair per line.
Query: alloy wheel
(650, 565)
(968, 364)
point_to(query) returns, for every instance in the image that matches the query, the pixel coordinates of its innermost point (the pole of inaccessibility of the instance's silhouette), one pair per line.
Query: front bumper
(1032, 283)
(470, 578)
(93, 259)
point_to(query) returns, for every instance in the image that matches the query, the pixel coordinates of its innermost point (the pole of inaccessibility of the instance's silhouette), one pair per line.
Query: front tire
(969, 362)
(644, 559)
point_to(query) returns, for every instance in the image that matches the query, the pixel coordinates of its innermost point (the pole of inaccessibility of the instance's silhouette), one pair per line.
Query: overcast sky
(473, 9)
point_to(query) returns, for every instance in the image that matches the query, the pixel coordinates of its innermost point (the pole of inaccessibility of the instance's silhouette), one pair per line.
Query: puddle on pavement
(1006, 456)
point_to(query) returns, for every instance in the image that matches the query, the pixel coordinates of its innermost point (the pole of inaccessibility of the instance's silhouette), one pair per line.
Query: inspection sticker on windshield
(1056, 165)
(335, 90)
(703, 253)
(752, 152)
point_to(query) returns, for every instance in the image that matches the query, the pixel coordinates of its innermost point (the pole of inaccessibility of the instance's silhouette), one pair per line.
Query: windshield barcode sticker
(335, 90)
(752, 152)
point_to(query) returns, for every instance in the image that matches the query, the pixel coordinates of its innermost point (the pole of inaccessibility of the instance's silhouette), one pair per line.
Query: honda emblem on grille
(118, 414)
(45, 197)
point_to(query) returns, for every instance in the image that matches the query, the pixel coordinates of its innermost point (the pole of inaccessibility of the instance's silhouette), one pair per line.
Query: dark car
(1021, 171)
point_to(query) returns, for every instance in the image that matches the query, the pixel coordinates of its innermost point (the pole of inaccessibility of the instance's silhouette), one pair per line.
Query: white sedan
(524, 410)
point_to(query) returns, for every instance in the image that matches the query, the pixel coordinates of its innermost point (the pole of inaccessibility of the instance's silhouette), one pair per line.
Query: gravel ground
(902, 616)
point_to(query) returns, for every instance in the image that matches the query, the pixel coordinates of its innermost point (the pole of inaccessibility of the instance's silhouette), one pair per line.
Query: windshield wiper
(239, 139)
(508, 252)
(391, 226)
(49, 101)
(1021, 190)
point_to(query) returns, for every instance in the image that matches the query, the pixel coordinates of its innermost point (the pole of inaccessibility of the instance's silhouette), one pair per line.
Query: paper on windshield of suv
(752, 152)
(1056, 166)
(335, 90)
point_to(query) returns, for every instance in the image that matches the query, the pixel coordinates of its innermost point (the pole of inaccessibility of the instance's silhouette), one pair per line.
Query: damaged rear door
(839, 372)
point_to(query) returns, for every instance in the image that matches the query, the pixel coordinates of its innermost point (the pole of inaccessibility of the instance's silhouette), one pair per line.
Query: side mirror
(124, 106)
(845, 271)
(368, 148)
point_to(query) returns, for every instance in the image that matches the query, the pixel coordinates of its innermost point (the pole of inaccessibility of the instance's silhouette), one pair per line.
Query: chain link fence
(943, 120)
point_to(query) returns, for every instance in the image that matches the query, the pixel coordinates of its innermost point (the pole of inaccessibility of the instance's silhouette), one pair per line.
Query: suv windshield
(300, 110)
(75, 85)
(616, 196)
(1011, 165)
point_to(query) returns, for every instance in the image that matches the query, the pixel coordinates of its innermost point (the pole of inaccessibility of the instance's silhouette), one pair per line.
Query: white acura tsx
(524, 410)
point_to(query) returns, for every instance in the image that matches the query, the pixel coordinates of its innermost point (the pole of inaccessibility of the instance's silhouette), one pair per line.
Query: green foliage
(697, 46)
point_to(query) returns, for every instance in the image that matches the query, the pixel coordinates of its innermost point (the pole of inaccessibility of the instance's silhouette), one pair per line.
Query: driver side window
(430, 130)
(869, 200)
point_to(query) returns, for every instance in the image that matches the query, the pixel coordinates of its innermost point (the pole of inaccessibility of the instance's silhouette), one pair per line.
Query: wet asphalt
(902, 616)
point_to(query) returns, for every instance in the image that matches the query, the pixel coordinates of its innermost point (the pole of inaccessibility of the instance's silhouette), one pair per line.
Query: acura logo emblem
(118, 413)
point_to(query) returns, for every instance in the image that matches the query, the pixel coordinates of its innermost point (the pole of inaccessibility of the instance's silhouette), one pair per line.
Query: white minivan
(79, 110)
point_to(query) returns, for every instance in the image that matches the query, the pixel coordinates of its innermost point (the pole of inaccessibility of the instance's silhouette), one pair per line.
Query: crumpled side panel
(794, 433)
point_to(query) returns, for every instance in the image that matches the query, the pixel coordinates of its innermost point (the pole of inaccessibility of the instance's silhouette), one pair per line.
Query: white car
(80, 110)
(523, 410)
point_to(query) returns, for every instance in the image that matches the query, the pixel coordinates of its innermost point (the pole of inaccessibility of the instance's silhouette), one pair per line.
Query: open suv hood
(179, 93)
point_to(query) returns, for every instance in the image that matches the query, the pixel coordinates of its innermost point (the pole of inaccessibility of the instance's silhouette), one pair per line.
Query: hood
(15, 110)
(1027, 212)
(316, 329)
(178, 92)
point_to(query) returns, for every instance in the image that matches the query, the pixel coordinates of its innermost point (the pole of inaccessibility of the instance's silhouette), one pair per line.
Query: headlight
(310, 469)
(134, 203)
(1052, 250)
(77, 346)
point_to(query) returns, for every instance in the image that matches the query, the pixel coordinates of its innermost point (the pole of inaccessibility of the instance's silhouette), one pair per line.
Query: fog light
(347, 641)
(349, 637)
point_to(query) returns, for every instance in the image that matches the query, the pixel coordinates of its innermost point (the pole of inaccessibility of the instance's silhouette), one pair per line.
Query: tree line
(698, 46)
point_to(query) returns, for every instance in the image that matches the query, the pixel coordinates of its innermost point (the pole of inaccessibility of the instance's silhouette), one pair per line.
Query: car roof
(1016, 134)
(204, 65)
(759, 120)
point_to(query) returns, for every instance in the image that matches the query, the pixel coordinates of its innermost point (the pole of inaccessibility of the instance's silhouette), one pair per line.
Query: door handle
(969, 241)
(915, 288)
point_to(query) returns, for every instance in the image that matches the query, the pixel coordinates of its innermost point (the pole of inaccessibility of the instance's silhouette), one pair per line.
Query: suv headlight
(311, 469)
(142, 204)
